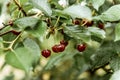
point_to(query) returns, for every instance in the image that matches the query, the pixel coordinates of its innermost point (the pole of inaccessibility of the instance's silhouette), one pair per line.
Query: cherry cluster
(61, 47)
(56, 48)
(88, 23)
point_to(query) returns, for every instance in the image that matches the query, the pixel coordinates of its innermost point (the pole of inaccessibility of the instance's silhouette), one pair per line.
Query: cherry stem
(57, 21)
(84, 23)
(5, 25)
(12, 43)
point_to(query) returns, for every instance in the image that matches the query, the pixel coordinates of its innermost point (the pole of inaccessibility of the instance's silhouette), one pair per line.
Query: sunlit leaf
(78, 11)
(26, 22)
(97, 3)
(112, 14)
(77, 33)
(21, 58)
(42, 5)
(97, 32)
(39, 30)
(33, 47)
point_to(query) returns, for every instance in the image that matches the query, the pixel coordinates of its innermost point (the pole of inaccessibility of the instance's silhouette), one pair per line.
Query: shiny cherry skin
(81, 47)
(58, 48)
(46, 53)
(64, 42)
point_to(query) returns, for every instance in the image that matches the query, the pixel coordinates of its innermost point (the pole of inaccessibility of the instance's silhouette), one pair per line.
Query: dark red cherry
(46, 53)
(58, 48)
(64, 42)
(55, 48)
(76, 22)
(89, 23)
(81, 47)
(61, 47)
(100, 25)
(15, 32)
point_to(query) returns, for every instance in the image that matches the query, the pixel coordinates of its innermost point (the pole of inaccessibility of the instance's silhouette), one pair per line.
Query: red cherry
(76, 22)
(89, 23)
(101, 25)
(58, 48)
(55, 48)
(81, 47)
(15, 32)
(61, 47)
(64, 42)
(46, 53)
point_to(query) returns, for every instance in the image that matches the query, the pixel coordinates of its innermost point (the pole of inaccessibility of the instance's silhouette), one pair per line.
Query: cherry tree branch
(20, 7)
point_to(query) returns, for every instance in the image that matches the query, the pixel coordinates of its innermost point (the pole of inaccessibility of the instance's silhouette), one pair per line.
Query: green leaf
(116, 75)
(117, 32)
(21, 58)
(39, 29)
(117, 46)
(97, 3)
(26, 22)
(102, 56)
(63, 56)
(42, 5)
(88, 53)
(97, 32)
(78, 11)
(112, 14)
(79, 61)
(54, 61)
(23, 1)
(33, 47)
(77, 33)
(115, 63)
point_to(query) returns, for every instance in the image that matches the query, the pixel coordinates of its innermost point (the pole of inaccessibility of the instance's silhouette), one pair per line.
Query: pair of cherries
(56, 48)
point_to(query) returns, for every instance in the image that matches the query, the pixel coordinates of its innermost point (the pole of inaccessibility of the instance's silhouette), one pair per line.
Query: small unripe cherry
(64, 42)
(46, 53)
(81, 47)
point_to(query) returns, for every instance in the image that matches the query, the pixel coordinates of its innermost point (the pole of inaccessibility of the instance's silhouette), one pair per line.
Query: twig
(12, 43)
(5, 33)
(20, 7)
(57, 21)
